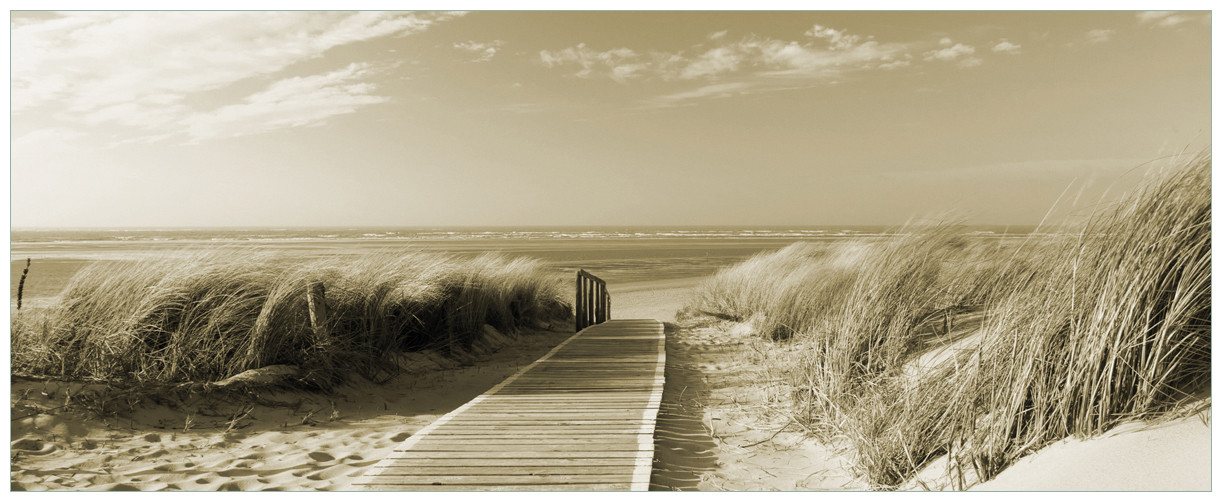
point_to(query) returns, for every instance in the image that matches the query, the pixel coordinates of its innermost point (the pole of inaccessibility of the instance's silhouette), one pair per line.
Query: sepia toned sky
(609, 118)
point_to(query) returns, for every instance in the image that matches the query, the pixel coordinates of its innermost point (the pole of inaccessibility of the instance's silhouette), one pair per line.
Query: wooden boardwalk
(580, 418)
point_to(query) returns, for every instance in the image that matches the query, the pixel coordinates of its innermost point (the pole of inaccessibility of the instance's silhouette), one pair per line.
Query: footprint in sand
(319, 456)
(242, 485)
(33, 446)
(153, 438)
(328, 473)
(400, 436)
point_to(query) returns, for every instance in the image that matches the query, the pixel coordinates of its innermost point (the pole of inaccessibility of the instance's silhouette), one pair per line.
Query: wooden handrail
(593, 303)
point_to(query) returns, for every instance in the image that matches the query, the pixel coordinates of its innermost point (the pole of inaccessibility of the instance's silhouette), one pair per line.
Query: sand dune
(1170, 456)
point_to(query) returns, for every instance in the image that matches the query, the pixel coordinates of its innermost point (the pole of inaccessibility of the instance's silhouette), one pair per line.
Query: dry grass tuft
(210, 315)
(1080, 330)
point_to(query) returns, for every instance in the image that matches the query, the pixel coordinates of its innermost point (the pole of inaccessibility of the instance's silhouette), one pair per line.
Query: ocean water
(616, 254)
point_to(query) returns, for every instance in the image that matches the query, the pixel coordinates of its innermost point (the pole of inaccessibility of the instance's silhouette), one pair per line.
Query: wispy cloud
(1099, 36)
(960, 53)
(619, 64)
(481, 52)
(1162, 19)
(1007, 47)
(143, 69)
(291, 102)
(709, 91)
(729, 67)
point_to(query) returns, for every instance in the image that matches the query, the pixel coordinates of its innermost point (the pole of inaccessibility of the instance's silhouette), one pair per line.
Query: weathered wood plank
(628, 454)
(582, 417)
(622, 439)
(510, 470)
(394, 462)
(526, 478)
(502, 487)
(456, 446)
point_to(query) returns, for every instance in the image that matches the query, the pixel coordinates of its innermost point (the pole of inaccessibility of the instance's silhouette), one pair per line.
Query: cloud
(825, 53)
(481, 51)
(753, 64)
(1007, 47)
(1099, 36)
(291, 102)
(146, 69)
(961, 54)
(715, 61)
(709, 91)
(619, 64)
(1162, 19)
(836, 39)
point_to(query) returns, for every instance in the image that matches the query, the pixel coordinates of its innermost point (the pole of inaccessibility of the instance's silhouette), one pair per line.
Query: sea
(617, 254)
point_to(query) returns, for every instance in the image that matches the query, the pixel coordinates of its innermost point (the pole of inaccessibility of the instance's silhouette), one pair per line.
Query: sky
(183, 119)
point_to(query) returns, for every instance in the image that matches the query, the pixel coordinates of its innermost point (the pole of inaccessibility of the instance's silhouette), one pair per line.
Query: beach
(725, 422)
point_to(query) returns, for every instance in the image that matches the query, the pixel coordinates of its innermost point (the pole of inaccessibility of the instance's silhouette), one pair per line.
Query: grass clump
(1070, 334)
(207, 316)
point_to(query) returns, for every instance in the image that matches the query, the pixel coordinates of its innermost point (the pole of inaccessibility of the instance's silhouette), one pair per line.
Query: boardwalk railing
(593, 301)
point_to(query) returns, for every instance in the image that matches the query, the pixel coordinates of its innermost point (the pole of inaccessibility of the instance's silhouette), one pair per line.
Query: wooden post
(577, 303)
(590, 303)
(593, 301)
(316, 299)
(602, 308)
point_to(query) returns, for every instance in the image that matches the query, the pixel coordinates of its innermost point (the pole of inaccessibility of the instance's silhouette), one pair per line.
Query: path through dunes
(582, 417)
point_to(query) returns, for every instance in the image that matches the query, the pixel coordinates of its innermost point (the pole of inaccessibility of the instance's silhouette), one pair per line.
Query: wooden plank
(581, 417)
(466, 430)
(539, 436)
(458, 446)
(479, 421)
(628, 454)
(504, 470)
(546, 479)
(501, 487)
(394, 462)
(439, 441)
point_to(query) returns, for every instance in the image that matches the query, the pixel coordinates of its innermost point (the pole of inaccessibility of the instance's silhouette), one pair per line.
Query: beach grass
(1076, 331)
(205, 316)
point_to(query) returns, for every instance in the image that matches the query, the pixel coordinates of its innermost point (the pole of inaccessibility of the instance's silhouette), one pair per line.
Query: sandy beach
(712, 435)
(724, 425)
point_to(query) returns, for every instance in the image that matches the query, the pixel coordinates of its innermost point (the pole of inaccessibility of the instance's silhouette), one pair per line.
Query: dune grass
(209, 315)
(1081, 330)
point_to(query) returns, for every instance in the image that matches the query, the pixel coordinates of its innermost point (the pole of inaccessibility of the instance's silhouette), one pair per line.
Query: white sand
(1171, 456)
(651, 299)
(753, 442)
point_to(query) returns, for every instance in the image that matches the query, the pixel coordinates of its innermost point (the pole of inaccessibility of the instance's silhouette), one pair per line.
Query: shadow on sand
(683, 446)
